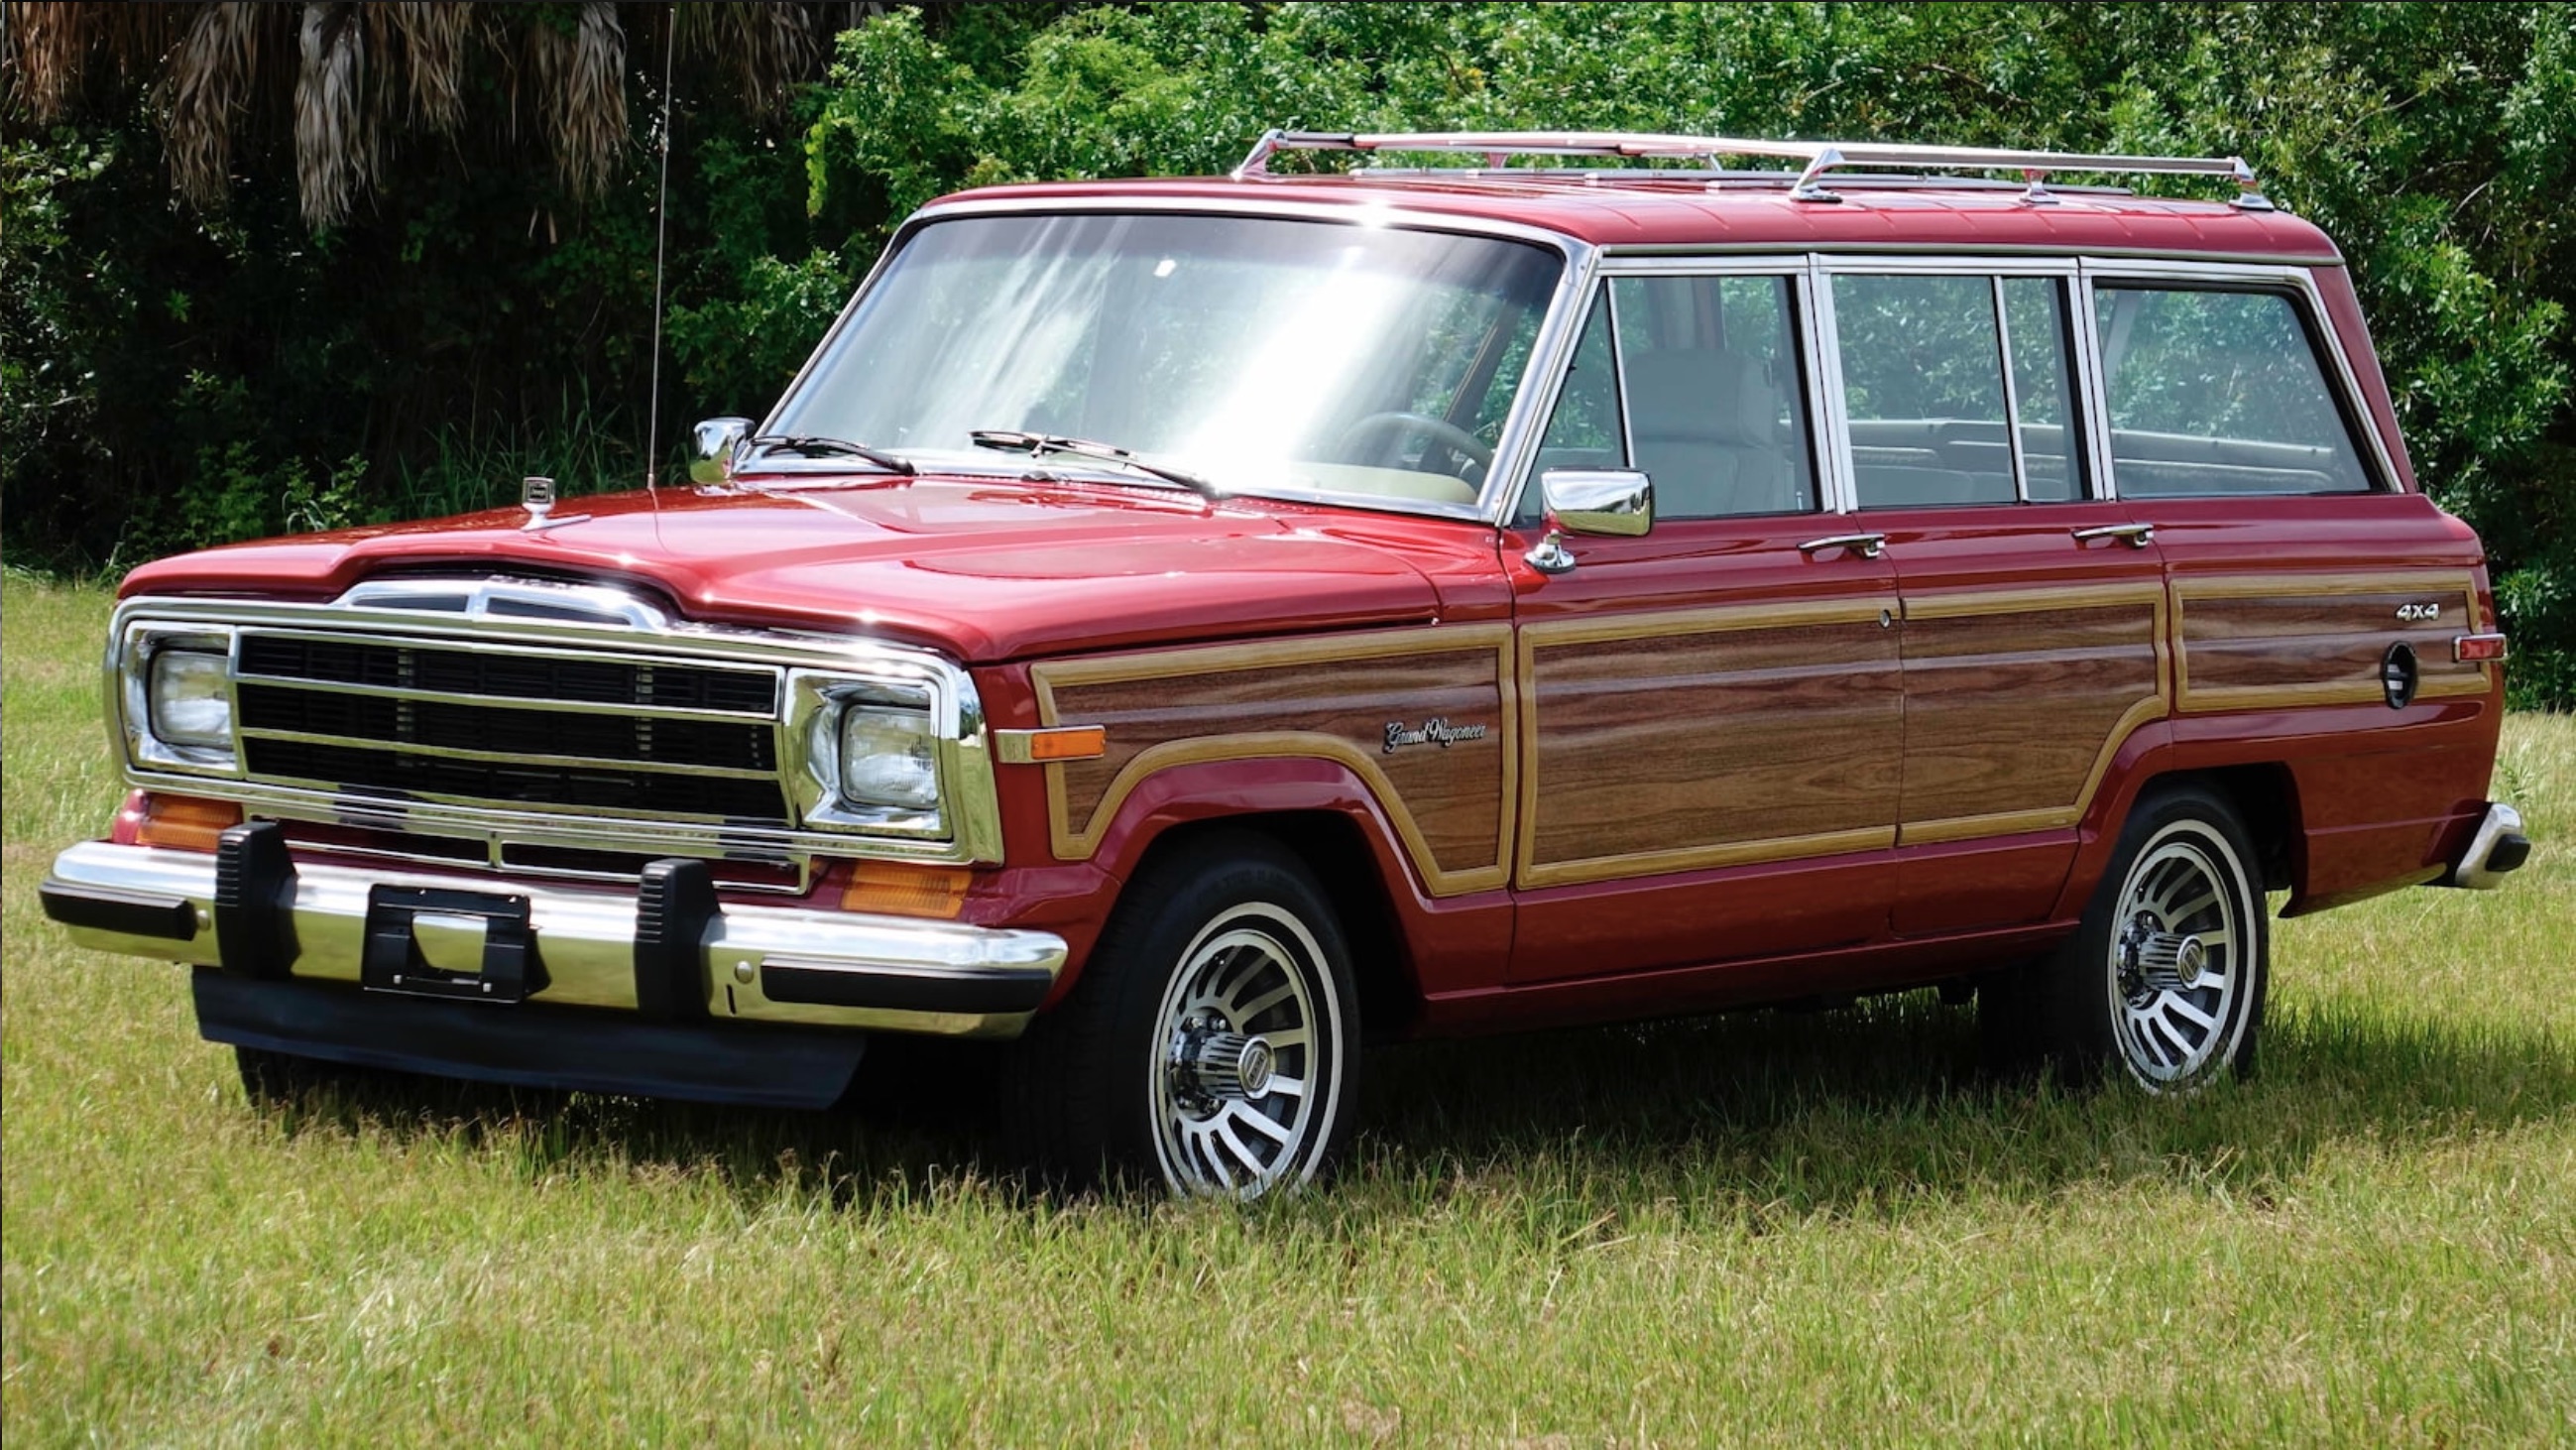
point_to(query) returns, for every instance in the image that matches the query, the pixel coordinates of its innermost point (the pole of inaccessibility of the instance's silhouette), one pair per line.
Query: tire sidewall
(2092, 1002)
(1264, 889)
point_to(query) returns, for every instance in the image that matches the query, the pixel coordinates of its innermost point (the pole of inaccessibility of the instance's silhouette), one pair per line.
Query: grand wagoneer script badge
(1435, 731)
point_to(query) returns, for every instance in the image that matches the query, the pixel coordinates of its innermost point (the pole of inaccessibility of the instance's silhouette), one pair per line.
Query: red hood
(989, 570)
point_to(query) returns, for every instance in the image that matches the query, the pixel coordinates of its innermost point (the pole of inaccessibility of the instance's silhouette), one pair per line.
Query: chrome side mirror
(711, 446)
(1613, 502)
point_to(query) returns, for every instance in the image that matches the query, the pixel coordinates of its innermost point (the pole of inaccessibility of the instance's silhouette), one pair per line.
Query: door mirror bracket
(1616, 503)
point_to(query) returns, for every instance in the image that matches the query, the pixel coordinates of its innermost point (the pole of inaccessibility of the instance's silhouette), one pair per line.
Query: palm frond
(433, 36)
(335, 147)
(209, 84)
(580, 76)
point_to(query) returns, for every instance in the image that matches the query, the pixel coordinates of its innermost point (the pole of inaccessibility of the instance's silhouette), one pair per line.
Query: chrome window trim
(2299, 281)
(970, 832)
(1795, 268)
(1515, 445)
(2095, 387)
(1985, 252)
(1833, 414)
(2012, 391)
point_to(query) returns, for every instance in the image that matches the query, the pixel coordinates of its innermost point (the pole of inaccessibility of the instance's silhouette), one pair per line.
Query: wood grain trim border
(1714, 619)
(2188, 701)
(1528, 871)
(1704, 858)
(2150, 592)
(1070, 843)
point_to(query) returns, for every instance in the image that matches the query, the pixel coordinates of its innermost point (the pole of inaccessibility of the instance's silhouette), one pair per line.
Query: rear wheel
(1211, 1044)
(2167, 974)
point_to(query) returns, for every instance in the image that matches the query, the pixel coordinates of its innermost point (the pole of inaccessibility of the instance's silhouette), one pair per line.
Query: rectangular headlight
(888, 757)
(177, 699)
(190, 704)
(874, 754)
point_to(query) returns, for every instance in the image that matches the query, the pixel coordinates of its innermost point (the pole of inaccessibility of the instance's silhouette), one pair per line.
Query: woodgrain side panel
(1681, 741)
(2257, 643)
(1326, 699)
(2015, 703)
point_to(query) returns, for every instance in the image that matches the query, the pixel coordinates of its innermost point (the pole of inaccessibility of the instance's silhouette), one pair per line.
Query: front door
(1712, 716)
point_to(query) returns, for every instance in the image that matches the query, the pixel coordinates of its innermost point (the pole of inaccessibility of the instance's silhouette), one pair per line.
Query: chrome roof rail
(1818, 157)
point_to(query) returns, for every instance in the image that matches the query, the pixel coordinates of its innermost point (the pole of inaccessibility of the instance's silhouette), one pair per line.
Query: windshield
(1263, 355)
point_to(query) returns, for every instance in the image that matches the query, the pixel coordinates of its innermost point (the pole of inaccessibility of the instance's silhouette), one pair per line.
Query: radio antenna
(661, 243)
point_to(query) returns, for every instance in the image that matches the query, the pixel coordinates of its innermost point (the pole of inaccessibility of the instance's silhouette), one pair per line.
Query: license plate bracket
(392, 959)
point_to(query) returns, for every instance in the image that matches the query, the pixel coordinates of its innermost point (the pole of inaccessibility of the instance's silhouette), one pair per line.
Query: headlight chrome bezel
(139, 652)
(820, 706)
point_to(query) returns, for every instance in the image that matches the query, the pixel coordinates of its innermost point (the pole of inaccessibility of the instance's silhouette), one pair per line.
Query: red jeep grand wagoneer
(1181, 624)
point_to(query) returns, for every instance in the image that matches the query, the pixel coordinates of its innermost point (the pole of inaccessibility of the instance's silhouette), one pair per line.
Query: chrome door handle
(1868, 546)
(2136, 536)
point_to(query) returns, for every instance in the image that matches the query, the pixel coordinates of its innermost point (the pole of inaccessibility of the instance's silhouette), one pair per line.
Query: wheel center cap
(2189, 961)
(1254, 1066)
(1222, 1065)
(2169, 960)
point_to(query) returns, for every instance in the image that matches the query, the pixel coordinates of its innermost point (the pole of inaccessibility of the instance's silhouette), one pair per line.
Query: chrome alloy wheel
(2178, 954)
(1247, 1057)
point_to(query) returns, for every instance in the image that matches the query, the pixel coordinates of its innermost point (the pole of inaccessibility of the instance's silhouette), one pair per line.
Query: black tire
(2164, 980)
(1149, 1070)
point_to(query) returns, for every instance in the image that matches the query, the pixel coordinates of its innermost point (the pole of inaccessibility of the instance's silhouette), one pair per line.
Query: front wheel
(1212, 1042)
(2167, 974)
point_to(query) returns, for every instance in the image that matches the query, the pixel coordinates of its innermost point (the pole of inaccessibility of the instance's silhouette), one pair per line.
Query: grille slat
(517, 728)
(641, 740)
(453, 670)
(721, 797)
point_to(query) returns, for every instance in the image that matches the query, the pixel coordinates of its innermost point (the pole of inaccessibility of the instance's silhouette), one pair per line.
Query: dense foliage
(173, 378)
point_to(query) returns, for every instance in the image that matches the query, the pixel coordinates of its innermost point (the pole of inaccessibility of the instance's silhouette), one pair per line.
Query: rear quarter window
(2218, 393)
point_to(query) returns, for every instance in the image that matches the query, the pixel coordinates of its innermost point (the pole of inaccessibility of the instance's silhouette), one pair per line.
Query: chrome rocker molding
(2497, 850)
(669, 952)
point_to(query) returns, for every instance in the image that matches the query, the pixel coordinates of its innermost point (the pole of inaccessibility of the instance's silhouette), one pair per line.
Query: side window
(2042, 348)
(1715, 410)
(1585, 431)
(1923, 388)
(2218, 393)
(1959, 390)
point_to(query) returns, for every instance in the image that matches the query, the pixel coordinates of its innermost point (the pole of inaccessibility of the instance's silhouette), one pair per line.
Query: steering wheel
(1397, 427)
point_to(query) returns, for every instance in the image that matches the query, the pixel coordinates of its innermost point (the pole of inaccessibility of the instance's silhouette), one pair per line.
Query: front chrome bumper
(590, 948)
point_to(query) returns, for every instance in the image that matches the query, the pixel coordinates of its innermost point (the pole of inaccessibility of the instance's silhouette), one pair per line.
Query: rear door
(2301, 568)
(2031, 603)
(1711, 713)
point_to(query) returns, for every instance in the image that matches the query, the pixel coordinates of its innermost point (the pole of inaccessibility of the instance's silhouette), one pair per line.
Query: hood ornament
(537, 496)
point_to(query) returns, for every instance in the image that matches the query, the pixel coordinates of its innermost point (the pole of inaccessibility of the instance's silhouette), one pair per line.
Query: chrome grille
(547, 727)
(523, 728)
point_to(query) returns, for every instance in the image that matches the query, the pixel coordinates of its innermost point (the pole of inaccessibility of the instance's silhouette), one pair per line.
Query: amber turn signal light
(898, 889)
(184, 823)
(2477, 649)
(1057, 742)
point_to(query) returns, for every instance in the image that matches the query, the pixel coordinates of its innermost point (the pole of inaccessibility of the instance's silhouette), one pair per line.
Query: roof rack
(1820, 157)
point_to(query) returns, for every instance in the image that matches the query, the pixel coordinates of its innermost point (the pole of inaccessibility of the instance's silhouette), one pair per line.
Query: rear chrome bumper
(669, 952)
(2496, 850)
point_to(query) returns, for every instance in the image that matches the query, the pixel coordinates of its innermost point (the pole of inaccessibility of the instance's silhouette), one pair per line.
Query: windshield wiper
(811, 446)
(1039, 445)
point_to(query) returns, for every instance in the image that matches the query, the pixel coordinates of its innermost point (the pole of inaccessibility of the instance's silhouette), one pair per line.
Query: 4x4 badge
(1435, 731)
(2419, 613)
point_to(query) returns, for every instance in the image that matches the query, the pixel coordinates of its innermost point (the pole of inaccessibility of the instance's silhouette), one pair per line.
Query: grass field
(1816, 1229)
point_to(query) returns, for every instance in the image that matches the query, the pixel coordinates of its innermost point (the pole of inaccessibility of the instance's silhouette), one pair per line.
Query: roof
(1649, 210)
